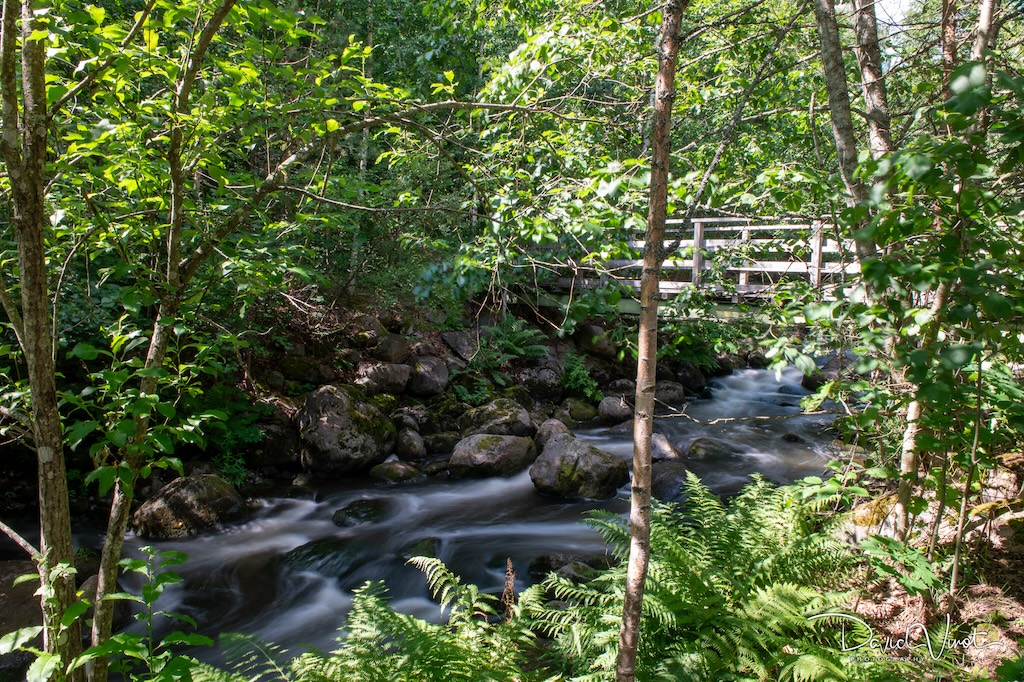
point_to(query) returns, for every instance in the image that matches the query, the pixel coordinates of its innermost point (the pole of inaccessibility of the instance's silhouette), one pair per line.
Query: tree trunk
(640, 503)
(23, 148)
(842, 118)
(869, 56)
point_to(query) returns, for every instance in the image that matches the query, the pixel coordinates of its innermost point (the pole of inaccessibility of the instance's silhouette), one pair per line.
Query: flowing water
(288, 574)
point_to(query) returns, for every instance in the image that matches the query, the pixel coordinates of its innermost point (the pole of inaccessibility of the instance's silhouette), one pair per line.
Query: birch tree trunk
(640, 502)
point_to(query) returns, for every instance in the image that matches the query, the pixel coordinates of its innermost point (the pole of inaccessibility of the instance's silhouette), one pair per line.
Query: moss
(385, 402)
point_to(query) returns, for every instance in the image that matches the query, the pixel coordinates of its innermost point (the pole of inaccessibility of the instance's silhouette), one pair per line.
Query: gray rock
(571, 469)
(663, 448)
(275, 379)
(442, 442)
(623, 387)
(188, 506)
(382, 377)
(392, 348)
(464, 344)
(711, 448)
(667, 480)
(490, 455)
(122, 607)
(429, 377)
(614, 410)
(395, 471)
(548, 430)
(279, 447)
(543, 383)
(410, 446)
(342, 435)
(501, 417)
(579, 411)
(691, 378)
(365, 331)
(669, 392)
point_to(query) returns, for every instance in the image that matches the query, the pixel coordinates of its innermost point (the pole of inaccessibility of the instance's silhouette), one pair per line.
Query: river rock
(572, 469)
(341, 435)
(278, 448)
(663, 448)
(667, 480)
(360, 512)
(441, 443)
(543, 383)
(614, 410)
(188, 506)
(490, 455)
(392, 349)
(579, 411)
(395, 471)
(621, 387)
(410, 446)
(690, 377)
(383, 377)
(669, 392)
(712, 448)
(501, 417)
(122, 607)
(429, 377)
(548, 429)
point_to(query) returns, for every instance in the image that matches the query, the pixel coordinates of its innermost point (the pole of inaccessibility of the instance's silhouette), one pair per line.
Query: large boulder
(614, 410)
(383, 377)
(410, 446)
(572, 469)
(490, 455)
(501, 417)
(669, 392)
(711, 448)
(690, 377)
(595, 341)
(188, 506)
(667, 479)
(464, 344)
(342, 435)
(365, 331)
(429, 377)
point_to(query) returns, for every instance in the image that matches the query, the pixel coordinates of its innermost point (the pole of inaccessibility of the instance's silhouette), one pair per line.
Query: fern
(728, 596)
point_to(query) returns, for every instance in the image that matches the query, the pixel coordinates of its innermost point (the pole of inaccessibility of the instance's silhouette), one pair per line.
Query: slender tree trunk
(23, 147)
(869, 57)
(842, 118)
(640, 503)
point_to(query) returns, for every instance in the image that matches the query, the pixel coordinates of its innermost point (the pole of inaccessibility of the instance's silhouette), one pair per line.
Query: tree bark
(640, 503)
(840, 113)
(869, 57)
(23, 147)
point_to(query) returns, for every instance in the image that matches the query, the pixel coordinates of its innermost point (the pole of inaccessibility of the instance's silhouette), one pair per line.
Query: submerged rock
(395, 472)
(360, 512)
(491, 455)
(572, 469)
(711, 448)
(341, 434)
(188, 506)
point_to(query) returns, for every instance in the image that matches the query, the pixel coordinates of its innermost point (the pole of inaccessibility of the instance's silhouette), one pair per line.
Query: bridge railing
(736, 257)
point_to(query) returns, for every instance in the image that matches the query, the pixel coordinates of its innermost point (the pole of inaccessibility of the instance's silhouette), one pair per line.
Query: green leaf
(73, 612)
(43, 668)
(78, 431)
(84, 351)
(17, 639)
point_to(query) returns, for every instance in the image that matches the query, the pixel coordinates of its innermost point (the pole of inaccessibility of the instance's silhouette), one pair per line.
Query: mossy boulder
(501, 417)
(429, 377)
(548, 429)
(484, 455)
(614, 409)
(383, 377)
(579, 411)
(341, 434)
(442, 443)
(712, 448)
(188, 506)
(572, 469)
(410, 446)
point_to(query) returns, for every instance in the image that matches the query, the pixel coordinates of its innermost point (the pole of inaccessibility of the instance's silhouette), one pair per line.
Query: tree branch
(20, 541)
(13, 314)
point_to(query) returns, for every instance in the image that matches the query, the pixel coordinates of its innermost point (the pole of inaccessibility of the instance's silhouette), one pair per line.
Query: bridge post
(817, 252)
(744, 275)
(698, 252)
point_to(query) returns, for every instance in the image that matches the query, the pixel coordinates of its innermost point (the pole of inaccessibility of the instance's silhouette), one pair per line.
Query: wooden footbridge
(730, 258)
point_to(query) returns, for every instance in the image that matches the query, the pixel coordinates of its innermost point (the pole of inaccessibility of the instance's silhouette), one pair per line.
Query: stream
(287, 575)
